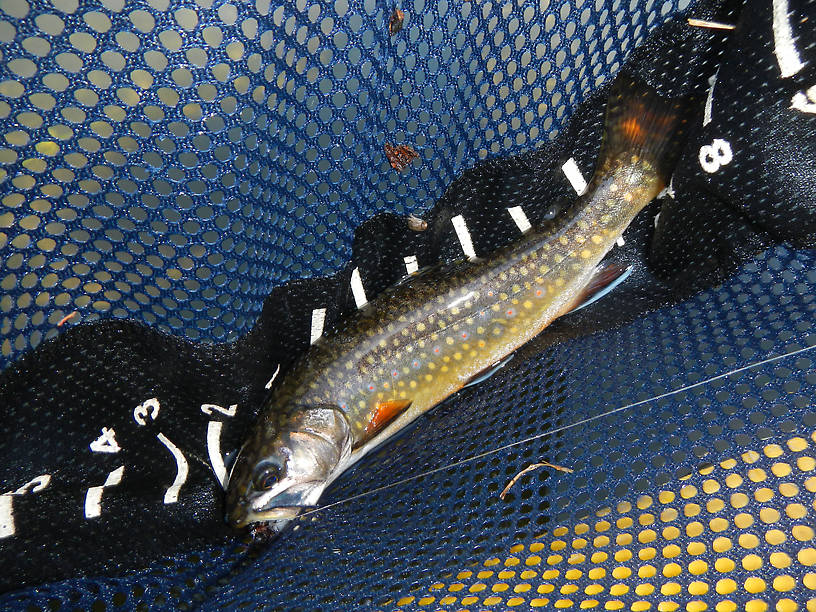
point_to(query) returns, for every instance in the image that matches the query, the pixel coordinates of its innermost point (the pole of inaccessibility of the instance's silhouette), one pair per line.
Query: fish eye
(265, 476)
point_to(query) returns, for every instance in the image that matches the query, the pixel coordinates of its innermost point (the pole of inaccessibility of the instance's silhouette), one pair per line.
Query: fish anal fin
(384, 413)
(606, 277)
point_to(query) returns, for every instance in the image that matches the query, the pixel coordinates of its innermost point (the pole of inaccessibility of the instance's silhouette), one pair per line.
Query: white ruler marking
(318, 319)
(214, 451)
(6, 515)
(520, 218)
(271, 380)
(172, 493)
(411, 263)
(574, 176)
(357, 289)
(93, 498)
(787, 55)
(464, 236)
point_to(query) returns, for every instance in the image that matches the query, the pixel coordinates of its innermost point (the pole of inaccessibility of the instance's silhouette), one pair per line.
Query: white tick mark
(574, 176)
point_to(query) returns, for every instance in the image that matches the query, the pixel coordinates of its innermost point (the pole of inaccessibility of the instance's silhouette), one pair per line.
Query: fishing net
(193, 191)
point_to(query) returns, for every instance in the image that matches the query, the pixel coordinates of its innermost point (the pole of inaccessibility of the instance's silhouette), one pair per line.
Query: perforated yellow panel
(729, 533)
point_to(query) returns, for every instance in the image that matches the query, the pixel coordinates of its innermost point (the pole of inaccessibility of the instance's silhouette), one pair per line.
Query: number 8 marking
(715, 155)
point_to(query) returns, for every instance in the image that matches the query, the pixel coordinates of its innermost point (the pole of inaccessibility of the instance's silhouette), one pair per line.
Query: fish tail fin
(639, 122)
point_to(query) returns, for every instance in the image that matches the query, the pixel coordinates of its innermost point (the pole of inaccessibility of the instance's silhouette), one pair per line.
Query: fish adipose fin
(639, 122)
(607, 276)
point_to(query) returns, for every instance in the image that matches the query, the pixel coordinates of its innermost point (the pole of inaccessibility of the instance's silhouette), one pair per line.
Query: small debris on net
(712, 25)
(399, 157)
(530, 468)
(395, 22)
(67, 318)
(417, 224)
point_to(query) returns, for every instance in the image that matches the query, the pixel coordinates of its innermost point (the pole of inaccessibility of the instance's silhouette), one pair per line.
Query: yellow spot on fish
(503, 296)
(516, 288)
(445, 359)
(421, 344)
(563, 240)
(596, 239)
(466, 346)
(480, 330)
(411, 384)
(586, 253)
(403, 394)
(613, 187)
(428, 377)
(627, 196)
(481, 343)
(448, 340)
(361, 404)
(544, 269)
(559, 282)
(558, 258)
(528, 304)
(472, 353)
(349, 365)
(431, 365)
(457, 356)
(539, 280)
(386, 385)
(383, 344)
(495, 308)
(444, 369)
(605, 218)
(370, 359)
(514, 301)
(454, 311)
(513, 329)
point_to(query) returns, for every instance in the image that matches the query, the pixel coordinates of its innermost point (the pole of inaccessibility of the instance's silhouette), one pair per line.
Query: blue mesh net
(171, 162)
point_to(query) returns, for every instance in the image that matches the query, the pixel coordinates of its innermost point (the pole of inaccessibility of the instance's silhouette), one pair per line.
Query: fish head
(284, 467)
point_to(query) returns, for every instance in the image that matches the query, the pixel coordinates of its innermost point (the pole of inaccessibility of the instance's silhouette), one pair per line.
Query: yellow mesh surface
(653, 546)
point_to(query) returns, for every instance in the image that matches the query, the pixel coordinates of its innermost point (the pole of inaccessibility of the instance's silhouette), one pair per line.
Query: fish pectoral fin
(384, 413)
(605, 278)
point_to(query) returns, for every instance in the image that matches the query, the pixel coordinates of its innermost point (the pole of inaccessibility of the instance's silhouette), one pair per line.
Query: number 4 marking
(106, 443)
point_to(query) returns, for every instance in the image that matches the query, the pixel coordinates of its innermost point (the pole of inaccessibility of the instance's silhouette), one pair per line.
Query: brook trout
(426, 338)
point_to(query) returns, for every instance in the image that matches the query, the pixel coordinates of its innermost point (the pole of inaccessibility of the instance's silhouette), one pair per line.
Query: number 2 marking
(714, 156)
(208, 409)
(148, 408)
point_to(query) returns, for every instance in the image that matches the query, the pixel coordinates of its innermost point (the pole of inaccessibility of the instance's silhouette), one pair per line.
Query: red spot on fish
(509, 313)
(394, 373)
(436, 350)
(370, 387)
(464, 334)
(539, 292)
(415, 364)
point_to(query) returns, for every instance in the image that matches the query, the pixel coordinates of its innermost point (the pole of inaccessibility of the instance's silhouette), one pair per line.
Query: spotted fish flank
(427, 337)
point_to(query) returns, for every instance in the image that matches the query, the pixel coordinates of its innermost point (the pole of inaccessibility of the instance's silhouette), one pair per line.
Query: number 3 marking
(148, 408)
(715, 155)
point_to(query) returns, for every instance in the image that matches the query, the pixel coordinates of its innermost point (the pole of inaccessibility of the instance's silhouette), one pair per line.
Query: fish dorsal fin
(605, 278)
(384, 412)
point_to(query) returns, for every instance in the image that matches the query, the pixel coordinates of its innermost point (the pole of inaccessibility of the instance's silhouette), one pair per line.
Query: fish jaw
(284, 469)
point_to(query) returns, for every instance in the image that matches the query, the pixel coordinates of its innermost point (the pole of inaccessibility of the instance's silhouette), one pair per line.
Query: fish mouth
(243, 519)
